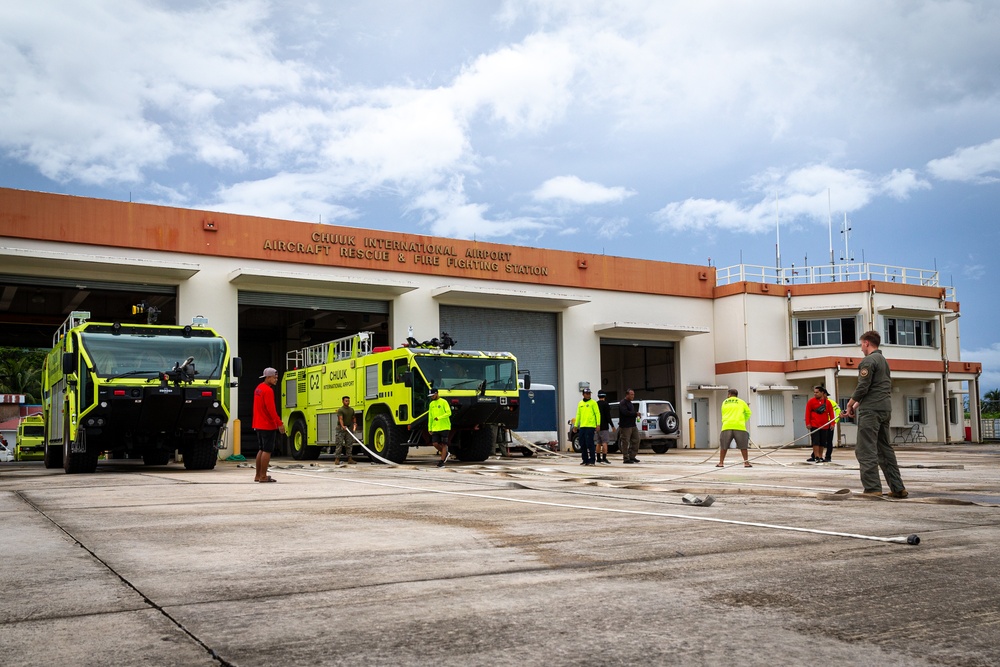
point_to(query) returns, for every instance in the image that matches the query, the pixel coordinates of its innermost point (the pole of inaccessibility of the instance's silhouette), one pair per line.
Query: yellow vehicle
(30, 445)
(135, 390)
(389, 387)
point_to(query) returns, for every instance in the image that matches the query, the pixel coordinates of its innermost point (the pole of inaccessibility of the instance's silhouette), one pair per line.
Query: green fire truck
(135, 391)
(30, 444)
(389, 387)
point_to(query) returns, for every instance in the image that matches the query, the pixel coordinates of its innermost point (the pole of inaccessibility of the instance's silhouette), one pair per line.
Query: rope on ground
(909, 539)
(733, 465)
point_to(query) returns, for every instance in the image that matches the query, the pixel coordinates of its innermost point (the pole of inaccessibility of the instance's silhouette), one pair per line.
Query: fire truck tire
(79, 462)
(53, 457)
(477, 445)
(660, 449)
(155, 457)
(201, 455)
(298, 443)
(388, 440)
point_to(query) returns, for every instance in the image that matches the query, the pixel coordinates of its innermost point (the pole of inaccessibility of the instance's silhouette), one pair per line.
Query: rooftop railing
(830, 273)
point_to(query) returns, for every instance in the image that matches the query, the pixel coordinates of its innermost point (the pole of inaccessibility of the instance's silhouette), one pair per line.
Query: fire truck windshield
(456, 372)
(148, 356)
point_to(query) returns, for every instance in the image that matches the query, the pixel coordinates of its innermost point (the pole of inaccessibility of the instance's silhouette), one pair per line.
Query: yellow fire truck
(30, 441)
(135, 390)
(389, 387)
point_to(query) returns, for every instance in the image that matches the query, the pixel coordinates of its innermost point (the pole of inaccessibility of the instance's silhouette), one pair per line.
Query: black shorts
(440, 437)
(266, 440)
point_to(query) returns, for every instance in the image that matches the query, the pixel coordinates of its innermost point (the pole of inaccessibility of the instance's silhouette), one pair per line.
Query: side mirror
(237, 367)
(527, 380)
(68, 363)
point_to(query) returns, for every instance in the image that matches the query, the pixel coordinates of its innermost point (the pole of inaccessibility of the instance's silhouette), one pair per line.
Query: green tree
(21, 372)
(991, 404)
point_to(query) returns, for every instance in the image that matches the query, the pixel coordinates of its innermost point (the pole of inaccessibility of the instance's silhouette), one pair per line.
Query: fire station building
(679, 332)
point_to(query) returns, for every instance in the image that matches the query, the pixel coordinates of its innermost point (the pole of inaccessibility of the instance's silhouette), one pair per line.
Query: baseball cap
(269, 372)
(432, 392)
(587, 390)
(601, 394)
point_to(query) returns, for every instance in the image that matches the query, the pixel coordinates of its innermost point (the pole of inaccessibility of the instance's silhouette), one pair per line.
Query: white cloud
(574, 190)
(286, 196)
(975, 164)
(447, 212)
(525, 86)
(808, 194)
(901, 182)
(99, 92)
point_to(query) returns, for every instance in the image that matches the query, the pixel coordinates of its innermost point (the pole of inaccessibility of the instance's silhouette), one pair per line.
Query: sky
(710, 132)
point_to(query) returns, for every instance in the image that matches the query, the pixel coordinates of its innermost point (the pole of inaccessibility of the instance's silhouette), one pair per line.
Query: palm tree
(22, 374)
(991, 401)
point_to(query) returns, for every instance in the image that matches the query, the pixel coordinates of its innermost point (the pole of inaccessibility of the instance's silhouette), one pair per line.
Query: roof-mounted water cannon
(181, 372)
(446, 342)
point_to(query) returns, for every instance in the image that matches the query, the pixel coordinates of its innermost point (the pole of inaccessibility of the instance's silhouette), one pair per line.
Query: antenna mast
(777, 234)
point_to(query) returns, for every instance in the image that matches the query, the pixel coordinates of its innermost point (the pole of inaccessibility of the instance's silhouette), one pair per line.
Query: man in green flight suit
(439, 424)
(872, 403)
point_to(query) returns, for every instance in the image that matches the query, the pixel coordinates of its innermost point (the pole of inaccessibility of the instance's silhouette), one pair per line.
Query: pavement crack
(151, 603)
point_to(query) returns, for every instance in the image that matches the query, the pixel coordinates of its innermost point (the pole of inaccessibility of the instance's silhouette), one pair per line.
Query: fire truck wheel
(201, 455)
(387, 439)
(660, 449)
(53, 457)
(298, 443)
(477, 445)
(85, 462)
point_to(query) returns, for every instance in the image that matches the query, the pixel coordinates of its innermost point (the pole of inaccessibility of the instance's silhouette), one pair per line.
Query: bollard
(691, 432)
(236, 437)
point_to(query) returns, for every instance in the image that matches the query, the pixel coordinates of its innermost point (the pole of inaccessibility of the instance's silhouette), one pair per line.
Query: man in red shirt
(266, 423)
(821, 420)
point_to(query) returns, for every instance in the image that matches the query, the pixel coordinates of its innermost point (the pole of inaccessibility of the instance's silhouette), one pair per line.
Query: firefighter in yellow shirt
(439, 424)
(735, 417)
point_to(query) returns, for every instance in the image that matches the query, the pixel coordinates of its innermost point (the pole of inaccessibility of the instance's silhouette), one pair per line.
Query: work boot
(336, 461)
(902, 493)
(350, 460)
(872, 493)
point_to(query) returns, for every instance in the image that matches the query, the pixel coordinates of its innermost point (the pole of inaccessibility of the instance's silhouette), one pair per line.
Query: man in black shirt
(629, 440)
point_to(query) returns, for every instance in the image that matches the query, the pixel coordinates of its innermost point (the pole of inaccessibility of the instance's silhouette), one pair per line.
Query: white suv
(657, 423)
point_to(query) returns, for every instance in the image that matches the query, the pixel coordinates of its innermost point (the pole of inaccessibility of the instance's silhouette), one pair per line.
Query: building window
(916, 410)
(770, 410)
(832, 331)
(954, 410)
(899, 331)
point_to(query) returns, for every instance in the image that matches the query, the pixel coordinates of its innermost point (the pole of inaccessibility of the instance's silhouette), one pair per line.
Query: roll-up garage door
(273, 300)
(88, 284)
(530, 336)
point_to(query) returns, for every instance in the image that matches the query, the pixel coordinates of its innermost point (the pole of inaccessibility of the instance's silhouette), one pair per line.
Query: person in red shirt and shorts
(266, 423)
